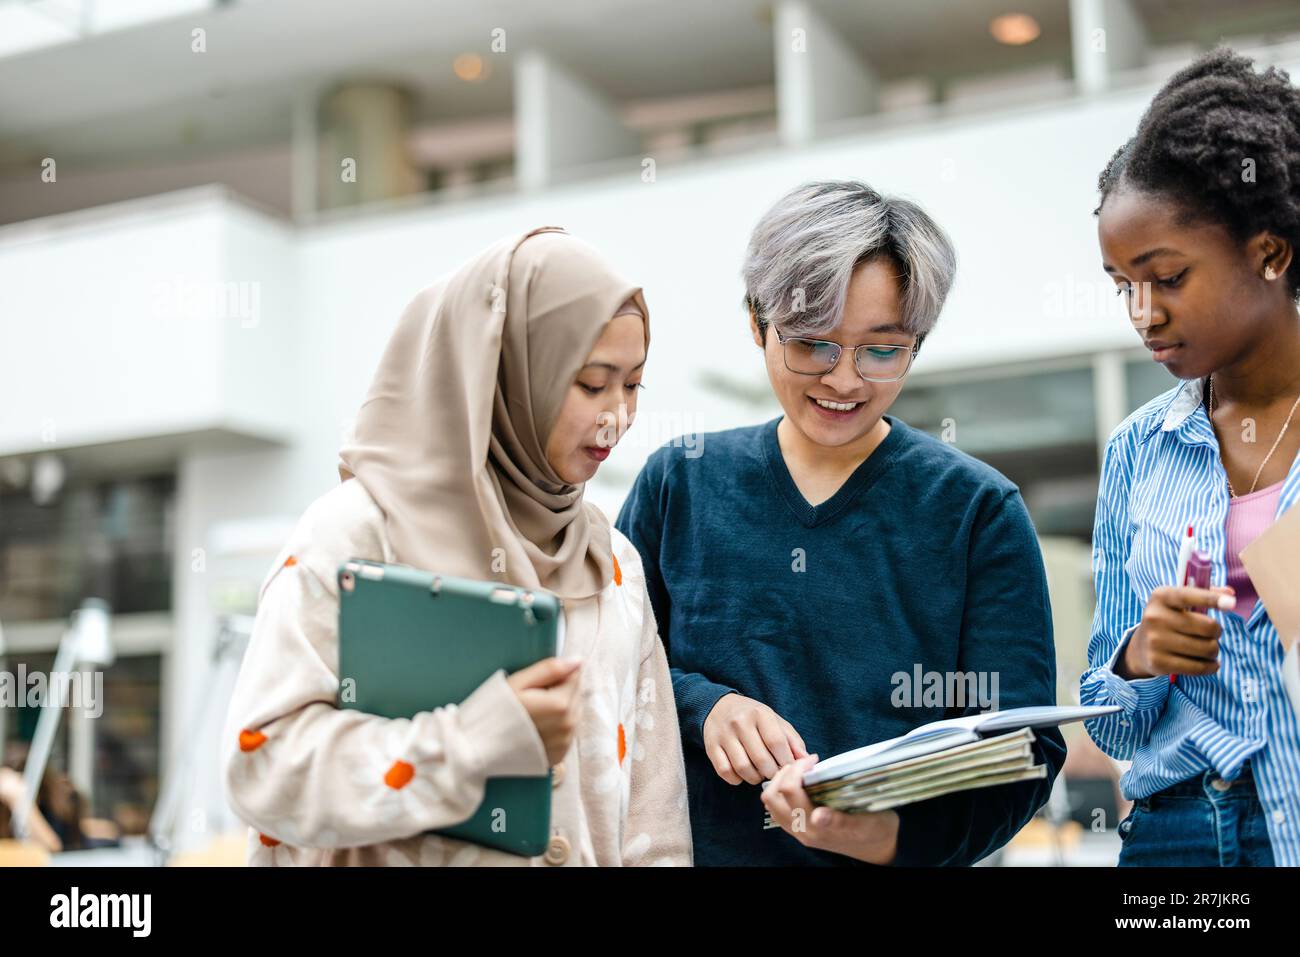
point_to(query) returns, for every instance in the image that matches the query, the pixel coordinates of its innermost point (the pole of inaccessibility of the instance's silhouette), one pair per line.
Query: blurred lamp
(48, 474)
(1014, 29)
(469, 67)
(92, 624)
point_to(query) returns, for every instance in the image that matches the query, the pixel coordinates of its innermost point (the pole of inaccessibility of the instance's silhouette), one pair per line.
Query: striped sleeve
(1119, 610)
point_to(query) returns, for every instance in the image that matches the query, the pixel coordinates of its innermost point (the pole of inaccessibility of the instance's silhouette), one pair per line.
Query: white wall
(163, 317)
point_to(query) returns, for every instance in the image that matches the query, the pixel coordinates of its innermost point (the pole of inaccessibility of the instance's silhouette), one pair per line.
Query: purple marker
(1198, 571)
(1193, 569)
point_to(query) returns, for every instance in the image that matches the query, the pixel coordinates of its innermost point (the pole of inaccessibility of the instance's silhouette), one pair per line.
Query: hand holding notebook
(412, 641)
(957, 754)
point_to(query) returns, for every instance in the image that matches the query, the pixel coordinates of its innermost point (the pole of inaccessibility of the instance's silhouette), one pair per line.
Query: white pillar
(819, 78)
(1109, 395)
(365, 126)
(1106, 36)
(561, 122)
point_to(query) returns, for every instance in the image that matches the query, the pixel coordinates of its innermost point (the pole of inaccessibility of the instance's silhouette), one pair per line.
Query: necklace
(1276, 442)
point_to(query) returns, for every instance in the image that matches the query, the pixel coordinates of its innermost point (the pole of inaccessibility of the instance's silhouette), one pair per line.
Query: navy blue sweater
(924, 557)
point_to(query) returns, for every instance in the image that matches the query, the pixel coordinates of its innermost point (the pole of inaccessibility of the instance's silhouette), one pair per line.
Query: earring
(1269, 273)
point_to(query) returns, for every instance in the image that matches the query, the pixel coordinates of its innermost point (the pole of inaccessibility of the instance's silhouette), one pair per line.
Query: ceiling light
(469, 67)
(1014, 29)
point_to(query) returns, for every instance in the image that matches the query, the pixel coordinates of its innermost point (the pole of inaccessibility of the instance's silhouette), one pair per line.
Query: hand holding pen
(1176, 636)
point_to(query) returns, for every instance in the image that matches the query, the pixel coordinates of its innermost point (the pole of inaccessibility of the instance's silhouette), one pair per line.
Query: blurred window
(1144, 380)
(1036, 428)
(108, 539)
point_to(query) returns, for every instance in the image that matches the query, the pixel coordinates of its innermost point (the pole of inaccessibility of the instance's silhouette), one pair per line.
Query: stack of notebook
(960, 754)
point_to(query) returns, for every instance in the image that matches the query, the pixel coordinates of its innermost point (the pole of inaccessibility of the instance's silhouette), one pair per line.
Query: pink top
(1248, 516)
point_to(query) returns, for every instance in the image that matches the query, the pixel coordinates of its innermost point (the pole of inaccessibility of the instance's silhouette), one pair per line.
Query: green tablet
(412, 641)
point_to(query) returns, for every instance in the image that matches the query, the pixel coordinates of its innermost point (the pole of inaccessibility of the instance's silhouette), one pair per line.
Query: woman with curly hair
(1198, 224)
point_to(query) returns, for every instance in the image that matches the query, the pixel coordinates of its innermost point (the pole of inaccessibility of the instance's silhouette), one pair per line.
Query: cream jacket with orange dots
(323, 786)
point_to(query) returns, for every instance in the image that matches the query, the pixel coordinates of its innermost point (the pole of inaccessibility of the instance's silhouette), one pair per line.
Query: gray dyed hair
(803, 252)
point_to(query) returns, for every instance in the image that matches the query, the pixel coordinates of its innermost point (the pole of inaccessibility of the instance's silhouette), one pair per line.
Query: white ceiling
(141, 92)
(257, 46)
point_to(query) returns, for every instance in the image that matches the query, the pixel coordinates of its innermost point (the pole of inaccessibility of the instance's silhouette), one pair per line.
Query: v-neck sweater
(923, 561)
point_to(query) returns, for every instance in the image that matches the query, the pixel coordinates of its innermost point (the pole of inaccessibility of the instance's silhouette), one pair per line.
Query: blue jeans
(1204, 821)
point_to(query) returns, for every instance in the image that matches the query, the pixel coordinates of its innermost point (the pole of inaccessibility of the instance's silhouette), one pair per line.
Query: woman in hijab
(493, 404)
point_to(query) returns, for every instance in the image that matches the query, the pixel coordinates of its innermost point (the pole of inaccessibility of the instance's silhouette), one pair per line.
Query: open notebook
(943, 757)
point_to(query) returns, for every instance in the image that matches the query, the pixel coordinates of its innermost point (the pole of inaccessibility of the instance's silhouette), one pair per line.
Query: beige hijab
(450, 440)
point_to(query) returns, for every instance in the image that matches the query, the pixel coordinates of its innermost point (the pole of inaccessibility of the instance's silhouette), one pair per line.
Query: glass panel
(1006, 414)
(127, 743)
(1038, 429)
(103, 15)
(1144, 380)
(108, 539)
(20, 727)
(126, 748)
(26, 27)
(20, 721)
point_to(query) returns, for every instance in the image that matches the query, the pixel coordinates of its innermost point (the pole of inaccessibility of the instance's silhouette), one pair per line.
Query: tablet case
(412, 641)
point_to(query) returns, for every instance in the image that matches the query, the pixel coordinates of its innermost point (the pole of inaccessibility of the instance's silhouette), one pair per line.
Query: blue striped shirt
(1161, 472)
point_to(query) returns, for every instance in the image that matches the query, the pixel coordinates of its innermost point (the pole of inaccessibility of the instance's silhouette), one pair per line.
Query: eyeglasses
(875, 362)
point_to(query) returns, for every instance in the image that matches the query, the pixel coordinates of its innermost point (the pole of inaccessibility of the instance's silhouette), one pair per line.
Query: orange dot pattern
(290, 561)
(267, 841)
(399, 775)
(618, 572)
(622, 744)
(251, 740)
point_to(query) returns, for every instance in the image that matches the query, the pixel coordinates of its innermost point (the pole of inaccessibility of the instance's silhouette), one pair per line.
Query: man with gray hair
(801, 565)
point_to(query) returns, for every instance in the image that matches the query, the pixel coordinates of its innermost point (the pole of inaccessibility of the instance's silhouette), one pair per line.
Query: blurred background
(213, 211)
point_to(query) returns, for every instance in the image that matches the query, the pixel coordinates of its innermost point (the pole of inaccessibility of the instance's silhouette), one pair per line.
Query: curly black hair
(1223, 142)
